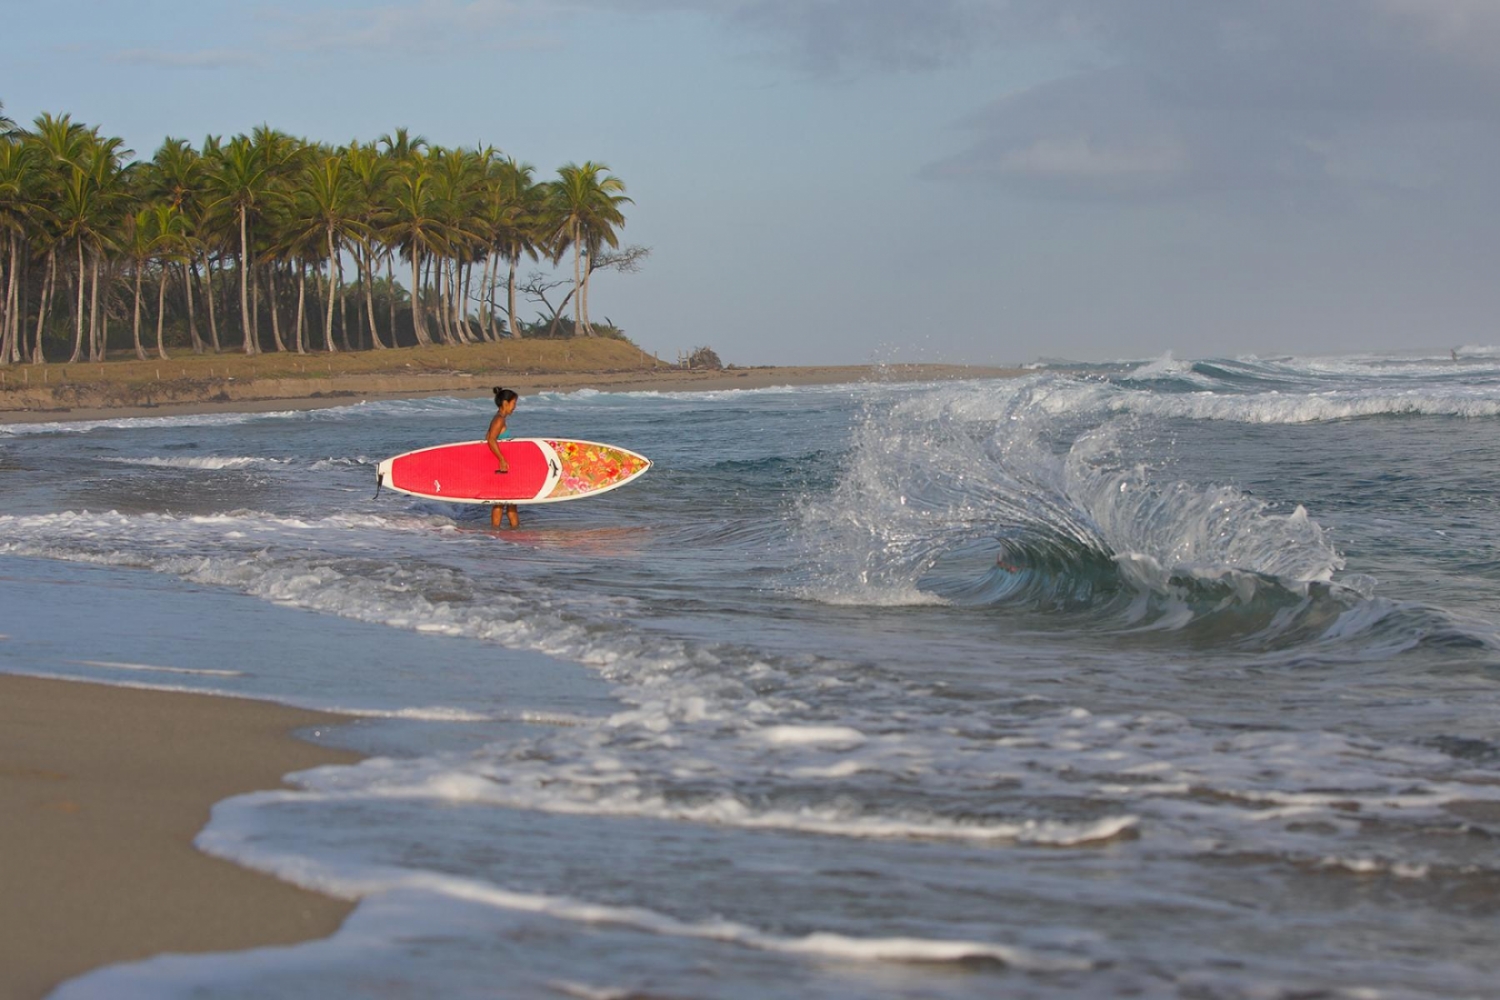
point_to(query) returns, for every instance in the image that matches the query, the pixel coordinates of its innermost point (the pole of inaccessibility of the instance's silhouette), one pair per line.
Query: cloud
(1172, 96)
(842, 37)
(828, 36)
(200, 59)
(1187, 96)
(446, 27)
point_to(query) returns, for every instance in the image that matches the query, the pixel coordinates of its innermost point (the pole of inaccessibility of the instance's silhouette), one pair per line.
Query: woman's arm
(497, 427)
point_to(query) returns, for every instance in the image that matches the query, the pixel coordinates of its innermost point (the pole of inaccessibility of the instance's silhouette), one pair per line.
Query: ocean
(1156, 679)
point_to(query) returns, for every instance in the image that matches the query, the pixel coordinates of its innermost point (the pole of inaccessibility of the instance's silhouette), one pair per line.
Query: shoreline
(104, 401)
(104, 790)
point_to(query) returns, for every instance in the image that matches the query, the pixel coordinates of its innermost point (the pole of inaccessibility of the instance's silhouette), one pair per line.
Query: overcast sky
(836, 181)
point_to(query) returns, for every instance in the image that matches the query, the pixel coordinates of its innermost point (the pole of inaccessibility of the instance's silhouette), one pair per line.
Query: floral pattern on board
(590, 467)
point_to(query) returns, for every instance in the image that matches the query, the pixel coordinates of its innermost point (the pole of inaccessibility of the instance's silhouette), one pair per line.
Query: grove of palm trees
(266, 242)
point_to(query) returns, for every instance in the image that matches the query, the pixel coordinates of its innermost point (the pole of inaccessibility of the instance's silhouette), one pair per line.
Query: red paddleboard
(542, 470)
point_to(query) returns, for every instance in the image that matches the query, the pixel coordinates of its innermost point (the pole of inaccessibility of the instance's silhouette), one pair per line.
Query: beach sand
(102, 790)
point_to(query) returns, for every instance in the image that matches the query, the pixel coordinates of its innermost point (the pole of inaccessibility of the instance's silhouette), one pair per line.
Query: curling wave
(1010, 495)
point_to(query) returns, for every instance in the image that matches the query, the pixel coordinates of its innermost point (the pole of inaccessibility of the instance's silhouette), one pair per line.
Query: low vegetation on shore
(220, 377)
(270, 243)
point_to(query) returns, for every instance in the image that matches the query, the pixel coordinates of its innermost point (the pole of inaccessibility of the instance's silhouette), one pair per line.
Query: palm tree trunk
(510, 291)
(250, 346)
(301, 302)
(437, 291)
(255, 306)
(445, 302)
(449, 301)
(369, 270)
(161, 312)
(350, 343)
(208, 296)
(456, 304)
(96, 338)
(192, 315)
(390, 291)
(104, 320)
(418, 326)
(274, 300)
(475, 335)
(485, 320)
(5, 307)
(49, 289)
(583, 292)
(78, 311)
(577, 284)
(8, 349)
(332, 294)
(492, 301)
(140, 352)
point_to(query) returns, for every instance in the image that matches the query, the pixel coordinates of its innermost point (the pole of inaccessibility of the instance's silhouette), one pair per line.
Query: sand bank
(102, 790)
(86, 402)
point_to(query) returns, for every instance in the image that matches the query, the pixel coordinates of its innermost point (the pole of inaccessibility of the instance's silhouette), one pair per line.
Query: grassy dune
(528, 356)
(226, 377)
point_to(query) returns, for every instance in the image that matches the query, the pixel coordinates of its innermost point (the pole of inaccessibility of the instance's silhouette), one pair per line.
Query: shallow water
(1163, 679)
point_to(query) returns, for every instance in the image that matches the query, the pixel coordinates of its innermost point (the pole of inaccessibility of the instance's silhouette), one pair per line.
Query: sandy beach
(102, 790)
(202, 385)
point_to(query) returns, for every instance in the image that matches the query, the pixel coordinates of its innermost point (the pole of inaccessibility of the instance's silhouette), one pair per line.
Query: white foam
(841, 737)
(228, 839)
(428, 713)
(206, 462)
(134, 423)
(928, 475)
(612, 791)
(1378, 866)
(152, 668)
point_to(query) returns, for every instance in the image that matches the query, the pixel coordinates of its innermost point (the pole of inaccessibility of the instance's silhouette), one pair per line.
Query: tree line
(270, 242)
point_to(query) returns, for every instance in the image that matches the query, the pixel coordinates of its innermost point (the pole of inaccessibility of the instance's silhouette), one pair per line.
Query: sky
(852, 181)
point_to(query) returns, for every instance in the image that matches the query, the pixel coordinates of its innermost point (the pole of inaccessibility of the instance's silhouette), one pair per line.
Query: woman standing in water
(505, 405)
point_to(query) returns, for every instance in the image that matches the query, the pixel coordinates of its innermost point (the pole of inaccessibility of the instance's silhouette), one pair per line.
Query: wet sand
(102, 790)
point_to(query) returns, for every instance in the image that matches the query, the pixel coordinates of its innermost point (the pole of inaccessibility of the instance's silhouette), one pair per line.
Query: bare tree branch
(626, 260)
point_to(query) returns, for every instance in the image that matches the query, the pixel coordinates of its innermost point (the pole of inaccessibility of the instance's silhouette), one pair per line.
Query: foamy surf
(1168, 668)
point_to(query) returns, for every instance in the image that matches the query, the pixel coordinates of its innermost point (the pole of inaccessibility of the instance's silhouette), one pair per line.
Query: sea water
(1158, 679)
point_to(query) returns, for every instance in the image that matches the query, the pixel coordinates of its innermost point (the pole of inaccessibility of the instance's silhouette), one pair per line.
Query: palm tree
(370, 173)
(457, 176)
(74, 209)
(137, 245)
(410, 222)
(326, 205)
(61, 142)
(586, 209)
(285, 158)
(19, 212)
(511, 212)
(176, 176)
(171, 244)
(403, 147)
(109, 178)
(241, 186)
